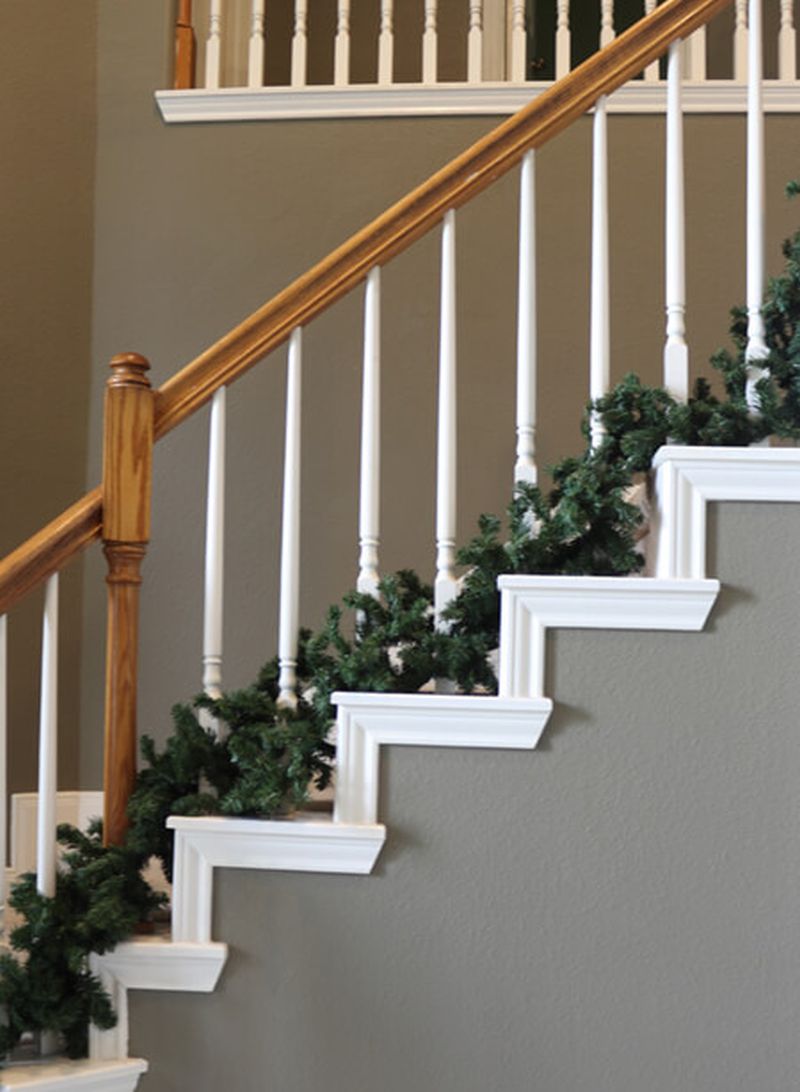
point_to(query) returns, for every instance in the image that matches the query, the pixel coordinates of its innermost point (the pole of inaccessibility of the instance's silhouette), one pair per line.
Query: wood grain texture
(127, 485)
(185, 48)
(464, 177)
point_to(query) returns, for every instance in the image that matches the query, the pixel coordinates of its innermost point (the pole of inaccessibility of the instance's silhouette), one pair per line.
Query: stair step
(65, 1076)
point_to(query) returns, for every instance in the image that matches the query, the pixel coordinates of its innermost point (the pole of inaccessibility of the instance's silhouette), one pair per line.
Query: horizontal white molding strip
(446, 99)
(687, 478)
(159, 963)
(120, 1076)
(292, 845)
(530, 605)
(365, 722)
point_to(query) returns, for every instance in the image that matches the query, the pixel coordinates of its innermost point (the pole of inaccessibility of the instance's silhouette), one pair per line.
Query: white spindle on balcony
(255, 61)
(525, 467)
(341, 65)
(289, 617)
(475, 42)
(696, 56)
(430, 43)
(606, 22)
(300, 43)
(740, 42)
(787, 48)
(370, 484)
(445, 583)
(214, 45)
(599, 340)
(676, 352)
(215, 550)
(48, 746)
(386, 43)
(519, 41)
(3, 758)
(651, 72)
(563, 39)
(756, 344)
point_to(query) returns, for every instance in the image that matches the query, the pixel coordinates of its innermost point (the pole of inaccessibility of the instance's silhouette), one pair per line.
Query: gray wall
(614, 912)
(47, 60)
(198, 225)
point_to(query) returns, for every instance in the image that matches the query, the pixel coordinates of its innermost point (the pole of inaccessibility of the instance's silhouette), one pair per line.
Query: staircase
(676, 597)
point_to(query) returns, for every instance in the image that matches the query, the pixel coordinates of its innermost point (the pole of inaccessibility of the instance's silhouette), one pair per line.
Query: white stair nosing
(63, 1076)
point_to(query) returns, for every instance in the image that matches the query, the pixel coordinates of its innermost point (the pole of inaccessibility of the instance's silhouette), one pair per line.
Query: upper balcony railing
(269, 59)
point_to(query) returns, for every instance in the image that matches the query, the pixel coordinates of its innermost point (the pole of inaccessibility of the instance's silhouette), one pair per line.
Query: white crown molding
(687, 478)
(447, 99)
(367, 721)
(91, 1076)
(530, 605)
(293, 845)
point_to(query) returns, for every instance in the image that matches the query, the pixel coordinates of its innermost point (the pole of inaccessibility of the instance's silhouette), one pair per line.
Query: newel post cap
(129, 370)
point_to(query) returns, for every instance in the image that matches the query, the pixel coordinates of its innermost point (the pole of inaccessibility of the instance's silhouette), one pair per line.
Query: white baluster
(3, 757)
(214, 45)
(48, 746)
(519, 41)
(215, 552)
(386, 42)
(475, 42)
(787, 49)
(563, 39)
(445, 583)
(599, 341)
(300, 43)
(606, 22)
(370, 490)
(756, 344)
(651, 72)
(289, 619)
(696, 56)
(341, 64)
(525, 468)
(430, 43)
(676, 352)
(740, 42)
(255, 63)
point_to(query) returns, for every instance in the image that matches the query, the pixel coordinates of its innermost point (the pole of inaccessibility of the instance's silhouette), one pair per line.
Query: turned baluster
(185, 47)
(127, 479)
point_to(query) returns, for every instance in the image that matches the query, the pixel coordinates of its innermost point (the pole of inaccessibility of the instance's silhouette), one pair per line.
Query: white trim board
(688, 478)
(365, 722)
(91, 1076)
(448, 99)
(530, 605)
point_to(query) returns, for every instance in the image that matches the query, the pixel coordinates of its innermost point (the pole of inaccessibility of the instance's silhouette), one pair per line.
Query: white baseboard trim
(293, 845)
(688, 478)
(365, 722)
(91, 1076)
(448, 99)
(530, 605)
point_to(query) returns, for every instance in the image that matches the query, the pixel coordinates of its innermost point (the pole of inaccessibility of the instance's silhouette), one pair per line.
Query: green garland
(263, 762)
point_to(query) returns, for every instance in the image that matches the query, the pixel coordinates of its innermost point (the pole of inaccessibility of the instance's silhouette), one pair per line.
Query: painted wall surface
(616, 911)
(198, 225)
(47, 60)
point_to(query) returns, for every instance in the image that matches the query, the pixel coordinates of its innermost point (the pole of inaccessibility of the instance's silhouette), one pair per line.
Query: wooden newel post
(185, 47)
(127, 476)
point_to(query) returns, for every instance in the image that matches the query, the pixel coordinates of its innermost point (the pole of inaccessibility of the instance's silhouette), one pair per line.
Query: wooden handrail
(487, 160)
(50, 549)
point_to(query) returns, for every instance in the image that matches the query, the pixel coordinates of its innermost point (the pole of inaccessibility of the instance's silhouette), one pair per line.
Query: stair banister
(756, 349)
(185, 47)
(121, 512)
(127, 484)
(676, 352)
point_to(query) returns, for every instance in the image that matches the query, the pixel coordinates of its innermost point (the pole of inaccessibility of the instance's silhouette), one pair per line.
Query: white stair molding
(687, 478)
(150, 963)
(366, 721)
(530, 605)
(294, 845)
(120, 1076)
(453, 99)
